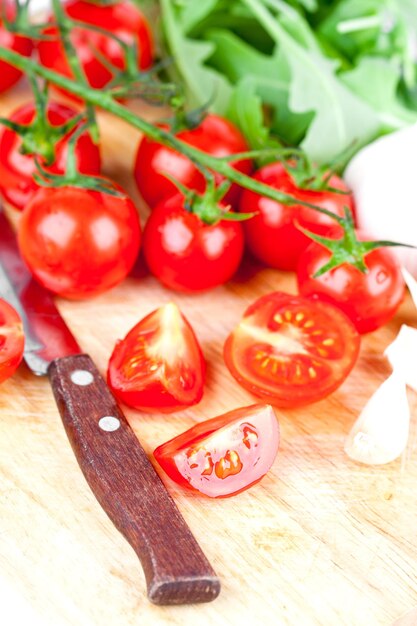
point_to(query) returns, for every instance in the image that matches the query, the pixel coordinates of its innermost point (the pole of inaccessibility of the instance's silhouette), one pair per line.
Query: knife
(114, 463)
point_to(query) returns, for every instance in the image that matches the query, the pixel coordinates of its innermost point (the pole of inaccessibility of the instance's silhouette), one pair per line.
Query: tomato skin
(290, 350)
(123, 19)
(9, 75)
(223, 456)
(370, 300)
(272, 236)
(12, 340)
(215, 135)
(186, 254)
(79, 243)
(159, 365)
(17, 185)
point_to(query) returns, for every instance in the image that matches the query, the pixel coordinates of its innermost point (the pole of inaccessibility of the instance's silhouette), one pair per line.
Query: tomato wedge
(159, 365)
(290, 350)
(224, 455)
(12, 340)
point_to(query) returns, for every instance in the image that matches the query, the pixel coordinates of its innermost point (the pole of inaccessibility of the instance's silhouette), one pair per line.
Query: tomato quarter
(17, 185)
(12, 340)
(224, 455)
(370, 299)
(272, 236)
(214, 135)
(159, 365)
(79, 243)
(291, 350)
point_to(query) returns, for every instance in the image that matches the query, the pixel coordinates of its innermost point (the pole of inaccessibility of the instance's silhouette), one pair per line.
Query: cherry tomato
(9, 75)
(291, 350)
(369, 299)
(12, 341)
(122, 19)
(185, 253)
(272, 236)
(79, 243)
(159, 365)
(17, 185)
(225, 455)
(214, 135)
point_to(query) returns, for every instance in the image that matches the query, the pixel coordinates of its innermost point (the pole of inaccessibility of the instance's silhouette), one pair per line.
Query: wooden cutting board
(321, 541)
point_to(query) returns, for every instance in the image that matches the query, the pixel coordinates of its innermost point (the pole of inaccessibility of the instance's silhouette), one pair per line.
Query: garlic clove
(411, 283)
(380, 433)
(402, 354)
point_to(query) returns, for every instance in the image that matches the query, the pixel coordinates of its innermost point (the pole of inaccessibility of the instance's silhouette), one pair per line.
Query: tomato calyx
(21, 23)
(348, 249)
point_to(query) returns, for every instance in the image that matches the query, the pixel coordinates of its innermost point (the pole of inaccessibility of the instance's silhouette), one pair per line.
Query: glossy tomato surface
(122, 19)
(79, 243)
(17, 185)
(159, 365)
(9, 75)
(215, 135)
(225, 455)
(272, 236)
(370, 299)
(291, 350)
(12, 341)
(185, 253)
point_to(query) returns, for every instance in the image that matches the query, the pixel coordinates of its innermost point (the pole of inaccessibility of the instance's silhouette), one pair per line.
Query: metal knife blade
(109, 454)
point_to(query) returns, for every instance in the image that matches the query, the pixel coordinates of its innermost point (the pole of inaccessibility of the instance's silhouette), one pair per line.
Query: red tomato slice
(225, 455)
(159, 365)
(12, 340)
(291, 350)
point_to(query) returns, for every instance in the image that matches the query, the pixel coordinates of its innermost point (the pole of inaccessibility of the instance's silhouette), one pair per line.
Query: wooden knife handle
(127, 486)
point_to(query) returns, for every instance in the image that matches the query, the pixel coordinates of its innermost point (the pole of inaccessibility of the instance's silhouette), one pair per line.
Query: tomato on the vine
(187, 254)
(369, 298)
(12, 340)
(9, 75)
(224, 455)
(17, 185)
(214, 135)
(159, 365)
(272, 235)
(77, 242)
(122, 19)
(290, 350)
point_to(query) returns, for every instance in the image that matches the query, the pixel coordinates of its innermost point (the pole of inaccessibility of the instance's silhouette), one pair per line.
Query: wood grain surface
(320, 541)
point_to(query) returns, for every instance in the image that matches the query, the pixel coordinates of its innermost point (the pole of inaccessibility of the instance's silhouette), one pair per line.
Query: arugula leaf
(202, 84)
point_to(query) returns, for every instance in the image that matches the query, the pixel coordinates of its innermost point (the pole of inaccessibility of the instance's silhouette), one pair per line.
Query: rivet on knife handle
(127, 486)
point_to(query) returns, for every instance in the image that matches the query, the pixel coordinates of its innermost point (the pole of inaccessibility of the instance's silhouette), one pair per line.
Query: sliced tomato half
(290, 350)
(224, 455)
(159, 365)
(12, 340)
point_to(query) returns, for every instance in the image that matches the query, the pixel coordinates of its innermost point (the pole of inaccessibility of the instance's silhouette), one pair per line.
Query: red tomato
(9, 75)
(291, 350)
(225, 455)
(214, 135)
(122, 19)
(185, 253)
(12, 340)
(272, 236)
(159, 365)
(17, 185)
(79, 243)
(369, 299)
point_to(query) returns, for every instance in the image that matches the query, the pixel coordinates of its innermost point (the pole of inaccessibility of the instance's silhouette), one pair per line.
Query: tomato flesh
(159, 365)
(291, 350)
(370, 299)
(79, 243)
(12, 341)
(224, 455)
(17, 185)
(272, 235)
